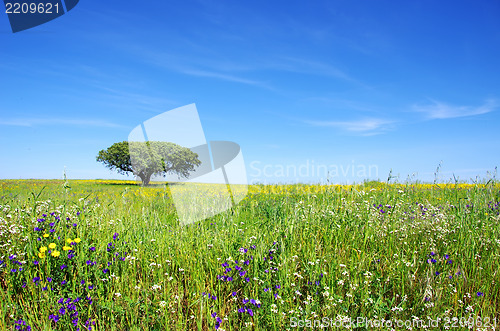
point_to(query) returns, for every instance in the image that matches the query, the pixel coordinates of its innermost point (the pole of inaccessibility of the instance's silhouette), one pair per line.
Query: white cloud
(440, 110)
(30, 122)
(231, 78)
(367, 126)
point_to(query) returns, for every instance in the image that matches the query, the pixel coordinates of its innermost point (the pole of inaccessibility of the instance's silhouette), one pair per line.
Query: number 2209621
(31, 8)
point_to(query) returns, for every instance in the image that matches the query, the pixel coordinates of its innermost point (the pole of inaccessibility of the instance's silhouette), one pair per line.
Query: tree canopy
(145, 159)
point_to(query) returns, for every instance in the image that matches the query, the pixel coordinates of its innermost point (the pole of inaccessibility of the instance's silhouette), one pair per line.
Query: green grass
(308, 252)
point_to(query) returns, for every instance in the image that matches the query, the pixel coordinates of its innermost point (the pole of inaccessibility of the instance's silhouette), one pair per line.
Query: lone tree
(145, 159)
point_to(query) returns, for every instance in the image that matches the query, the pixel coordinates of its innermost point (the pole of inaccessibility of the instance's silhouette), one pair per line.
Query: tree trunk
(145, 178)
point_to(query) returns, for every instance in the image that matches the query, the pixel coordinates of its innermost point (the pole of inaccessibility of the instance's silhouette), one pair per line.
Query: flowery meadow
(111, 255)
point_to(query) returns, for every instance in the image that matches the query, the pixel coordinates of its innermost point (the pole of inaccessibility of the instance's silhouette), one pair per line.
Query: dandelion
(55, 253)
(52, 245)
(77, 240)
(45, 235)
(43, 249)
(66, 248)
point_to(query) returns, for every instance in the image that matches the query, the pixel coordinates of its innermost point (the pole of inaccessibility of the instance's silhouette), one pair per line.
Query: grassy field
(111, 255)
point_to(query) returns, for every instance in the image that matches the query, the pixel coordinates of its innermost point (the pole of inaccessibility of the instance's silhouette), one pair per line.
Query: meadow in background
(110, 255)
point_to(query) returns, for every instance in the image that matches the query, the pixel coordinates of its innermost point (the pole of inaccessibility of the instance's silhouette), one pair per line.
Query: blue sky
(336, 85)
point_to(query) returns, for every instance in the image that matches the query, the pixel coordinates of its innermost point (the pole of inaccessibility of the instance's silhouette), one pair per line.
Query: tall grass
(286, 253)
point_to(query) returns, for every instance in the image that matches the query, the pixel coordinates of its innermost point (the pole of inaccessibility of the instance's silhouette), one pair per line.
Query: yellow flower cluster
(56, 253)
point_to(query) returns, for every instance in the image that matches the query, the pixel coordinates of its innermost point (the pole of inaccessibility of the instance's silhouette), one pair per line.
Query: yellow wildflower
(43, 249)
(77, 240)
(45, 235)
(52, 245)
(69, 241)
(55, 253)
(66, 248)
(41, 255)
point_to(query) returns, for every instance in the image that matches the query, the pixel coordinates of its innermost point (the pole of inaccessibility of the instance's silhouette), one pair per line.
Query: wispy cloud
(441, 110)
(223, 76)
(32, 122)
(366, 126)
(313, 68)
